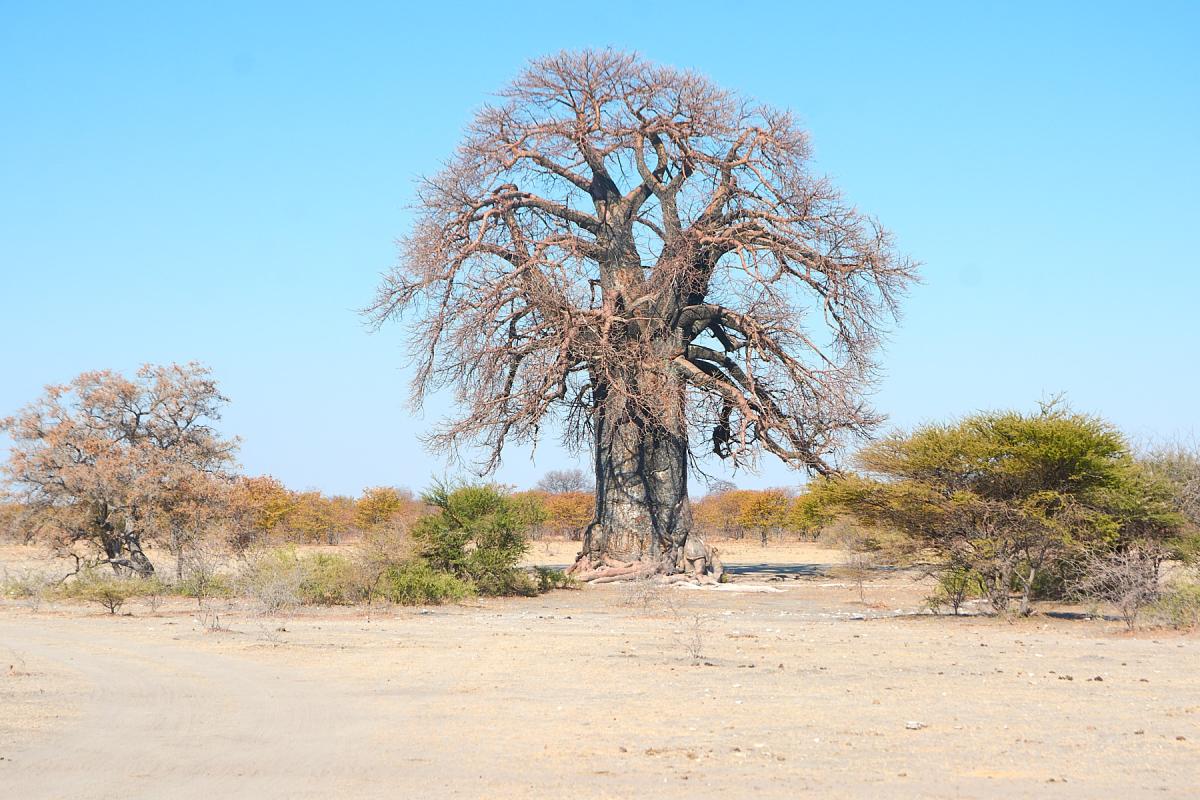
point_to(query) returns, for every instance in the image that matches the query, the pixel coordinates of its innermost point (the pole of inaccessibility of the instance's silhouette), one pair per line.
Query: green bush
(548, 578)
(202, 585)
(281, 578)
(417, 583)
(329, 580)
(956, 584)
(477, 536)
(1178, 607)
(109, 591)
(272, 578)
(1012, 496)
(1186, 547)
(28, 586)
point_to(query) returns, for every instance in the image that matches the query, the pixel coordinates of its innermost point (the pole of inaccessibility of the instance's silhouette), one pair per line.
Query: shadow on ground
(761, 572)
(767, 571)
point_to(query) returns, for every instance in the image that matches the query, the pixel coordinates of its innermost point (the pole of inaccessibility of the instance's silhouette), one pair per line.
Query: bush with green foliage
(271, 578)
(548, 579)
(330, 580)
(280, 578)
(1178, 606)
(956, 584)
(417, 583)
(1177, 467)
(201, 586)
(28, 586)
(109, 590)
(1009, 495)
(477, 534)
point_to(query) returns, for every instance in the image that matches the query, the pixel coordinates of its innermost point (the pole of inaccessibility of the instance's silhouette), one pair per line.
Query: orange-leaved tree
(98, 458)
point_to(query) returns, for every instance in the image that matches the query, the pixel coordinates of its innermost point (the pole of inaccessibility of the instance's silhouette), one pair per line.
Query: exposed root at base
(694, 562)
(611, 571)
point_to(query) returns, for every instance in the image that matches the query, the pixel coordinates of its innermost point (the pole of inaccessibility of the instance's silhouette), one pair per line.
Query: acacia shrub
(1176, 467)
(417, 583)
(1127, 579)
(29, 586)
(1010, 497)
(204, 586)
(476, 534)
(1178, 606)
(272, 578)
(108, 590)
(329, 579)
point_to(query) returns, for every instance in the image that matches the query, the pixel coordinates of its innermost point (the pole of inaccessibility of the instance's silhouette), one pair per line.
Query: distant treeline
(262, 510)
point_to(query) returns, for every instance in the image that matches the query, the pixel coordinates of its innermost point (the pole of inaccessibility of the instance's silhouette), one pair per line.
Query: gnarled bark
(123, 548)
(642, 507)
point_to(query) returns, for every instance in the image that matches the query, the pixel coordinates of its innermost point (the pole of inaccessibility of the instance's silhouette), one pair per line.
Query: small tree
(381, 506)
(109, 591)
(763, 512)
(568, 513)
(956, 583)
(188, 510)
(1176, 466)
(99, 457)
(1008, 494)
(807, 515)
(311, 518)
(564, 481)
(858, 552)
(258, 507)
(199, 573)
(477, 534)
(718, 512)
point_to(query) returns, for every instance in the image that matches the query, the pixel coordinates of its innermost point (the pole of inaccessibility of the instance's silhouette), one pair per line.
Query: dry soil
(609, 691)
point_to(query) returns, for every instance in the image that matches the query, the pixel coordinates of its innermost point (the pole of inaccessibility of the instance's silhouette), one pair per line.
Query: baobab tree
(104, 458)
(648, 258)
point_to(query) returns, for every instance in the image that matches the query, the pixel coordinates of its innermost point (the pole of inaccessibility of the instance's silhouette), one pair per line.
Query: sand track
(162, 720)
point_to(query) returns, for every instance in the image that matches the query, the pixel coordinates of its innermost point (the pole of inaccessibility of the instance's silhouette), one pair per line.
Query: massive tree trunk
(643, 518)
(642, 508)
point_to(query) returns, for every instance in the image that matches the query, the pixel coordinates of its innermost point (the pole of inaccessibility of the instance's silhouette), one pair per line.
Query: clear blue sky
(224, 181)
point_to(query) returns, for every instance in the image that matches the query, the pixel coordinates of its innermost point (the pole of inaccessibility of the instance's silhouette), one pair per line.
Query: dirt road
(594, 693)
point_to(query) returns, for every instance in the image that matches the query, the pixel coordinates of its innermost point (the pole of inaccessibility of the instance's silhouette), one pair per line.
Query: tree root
(610, 570)
(700, 566)
(640, 570)
(618, 572)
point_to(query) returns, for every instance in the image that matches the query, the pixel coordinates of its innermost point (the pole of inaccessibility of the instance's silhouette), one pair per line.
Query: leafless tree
(718, 486)
(101, 457)
(1190, 500)
(1176, 464)
(561, 481)
(649, 258)
(1128, 579)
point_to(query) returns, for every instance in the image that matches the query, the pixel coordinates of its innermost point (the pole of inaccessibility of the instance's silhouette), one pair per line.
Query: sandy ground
(595, 693)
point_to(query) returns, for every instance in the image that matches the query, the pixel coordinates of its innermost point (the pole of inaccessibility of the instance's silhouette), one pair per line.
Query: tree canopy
(100, 457)
(1006, 494)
